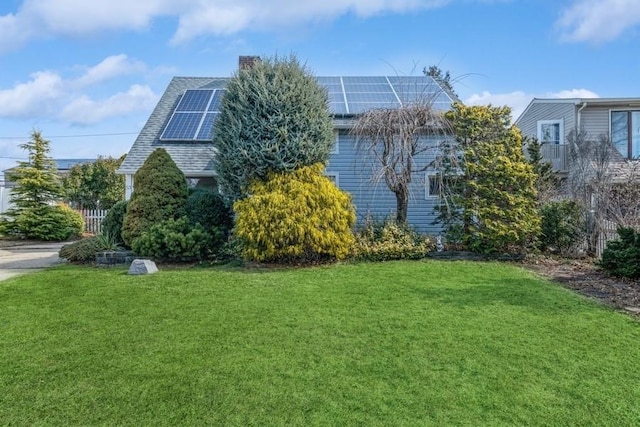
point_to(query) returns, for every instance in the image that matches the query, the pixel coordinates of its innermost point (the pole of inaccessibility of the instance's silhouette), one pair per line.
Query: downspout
(584, 104)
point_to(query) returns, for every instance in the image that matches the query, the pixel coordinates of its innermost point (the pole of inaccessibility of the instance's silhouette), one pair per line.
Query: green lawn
(399, 343)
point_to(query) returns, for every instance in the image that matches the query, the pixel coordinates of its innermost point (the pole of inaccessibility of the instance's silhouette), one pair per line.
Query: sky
(87, 74)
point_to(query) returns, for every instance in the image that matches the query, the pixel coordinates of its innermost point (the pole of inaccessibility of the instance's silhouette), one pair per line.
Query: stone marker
(143, 266)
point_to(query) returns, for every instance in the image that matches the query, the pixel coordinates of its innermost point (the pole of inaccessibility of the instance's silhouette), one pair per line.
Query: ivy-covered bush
(178, 240)
(295, 217)
(388, 240)
(81, 251)
(622, 256)
(45, 222)
(207, 208)
(160, 193)
(112, 222)
(562, 226)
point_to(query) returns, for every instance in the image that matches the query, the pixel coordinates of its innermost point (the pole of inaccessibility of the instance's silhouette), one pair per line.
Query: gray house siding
(565, 111)
(595, 121)
(354, 170)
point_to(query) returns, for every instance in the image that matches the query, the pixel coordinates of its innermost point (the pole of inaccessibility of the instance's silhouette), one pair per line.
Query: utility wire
(72, 136)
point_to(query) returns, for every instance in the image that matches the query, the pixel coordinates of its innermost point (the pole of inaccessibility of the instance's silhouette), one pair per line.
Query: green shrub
(160, 193)
(178, 240)
(562, 226)
(383, 241)
(622, 256)
(295, 217)
(81, 251)
(207, 208)
(112, 222)
(45, 222)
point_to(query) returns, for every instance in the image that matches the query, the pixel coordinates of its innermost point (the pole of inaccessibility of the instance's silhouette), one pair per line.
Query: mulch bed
(586, 278)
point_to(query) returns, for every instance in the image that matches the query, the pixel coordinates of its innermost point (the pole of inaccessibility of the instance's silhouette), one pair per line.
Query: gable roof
(613, 102)
(348, 96)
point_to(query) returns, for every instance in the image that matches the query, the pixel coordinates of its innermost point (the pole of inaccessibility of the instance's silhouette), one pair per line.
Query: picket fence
(608, 231)
(93, 220)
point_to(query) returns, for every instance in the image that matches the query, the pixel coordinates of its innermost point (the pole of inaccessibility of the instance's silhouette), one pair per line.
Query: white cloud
(598, 21)
(36, 96)
(48, 95)
(110, 67)
(75, 18)
(85, 111)
(519, 100)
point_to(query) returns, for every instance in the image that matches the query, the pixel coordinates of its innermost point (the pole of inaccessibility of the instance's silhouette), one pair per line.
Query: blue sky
(88, 73)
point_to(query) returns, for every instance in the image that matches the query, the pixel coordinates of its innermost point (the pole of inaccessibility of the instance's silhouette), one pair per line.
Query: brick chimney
(246, 62)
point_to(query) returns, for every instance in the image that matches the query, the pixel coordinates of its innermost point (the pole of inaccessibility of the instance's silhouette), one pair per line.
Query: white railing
(93, 220)
(557, 154)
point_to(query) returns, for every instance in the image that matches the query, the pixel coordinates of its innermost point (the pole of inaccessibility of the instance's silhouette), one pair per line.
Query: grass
(399, 343)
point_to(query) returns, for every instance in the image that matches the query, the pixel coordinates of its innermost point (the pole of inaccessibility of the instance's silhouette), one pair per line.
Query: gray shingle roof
(195, 158)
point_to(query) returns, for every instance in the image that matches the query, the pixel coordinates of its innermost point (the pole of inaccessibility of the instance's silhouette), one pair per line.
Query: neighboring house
(182, 123)
(63, 166)
(552, 120)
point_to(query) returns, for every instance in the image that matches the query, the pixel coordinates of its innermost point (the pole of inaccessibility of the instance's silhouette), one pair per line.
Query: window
(625, 133)
(551, 131)
(333, 176)
(336, 145)
(434, 182)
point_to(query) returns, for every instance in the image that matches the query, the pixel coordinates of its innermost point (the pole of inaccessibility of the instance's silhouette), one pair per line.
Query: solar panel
(206, 128)
(217, 99)
(365, 80)
(195, 100)
(361, 107)
(333, 88)
(328, 80)
(338, 108)
(371, 97)
(182, 126)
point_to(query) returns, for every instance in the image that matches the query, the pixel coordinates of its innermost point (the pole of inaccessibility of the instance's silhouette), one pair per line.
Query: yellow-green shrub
(299, 216)
(388, 240)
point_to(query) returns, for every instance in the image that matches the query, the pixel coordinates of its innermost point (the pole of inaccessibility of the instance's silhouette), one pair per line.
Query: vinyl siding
(355, 169)
(595, 120)
(565, 111)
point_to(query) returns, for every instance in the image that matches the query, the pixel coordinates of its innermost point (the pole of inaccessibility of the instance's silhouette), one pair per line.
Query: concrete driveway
(25, 258)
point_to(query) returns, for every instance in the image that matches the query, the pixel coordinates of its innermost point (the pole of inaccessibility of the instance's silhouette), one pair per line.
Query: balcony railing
(557, 154)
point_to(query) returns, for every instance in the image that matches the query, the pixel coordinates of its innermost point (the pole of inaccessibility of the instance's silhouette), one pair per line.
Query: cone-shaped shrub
(160, 193)
(299, 216)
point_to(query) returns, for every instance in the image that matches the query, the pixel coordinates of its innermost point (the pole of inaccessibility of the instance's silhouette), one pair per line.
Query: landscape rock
(142, 266)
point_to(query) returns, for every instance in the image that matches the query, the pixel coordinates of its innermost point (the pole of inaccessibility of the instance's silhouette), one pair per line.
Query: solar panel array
(355, 95)
(194, 117)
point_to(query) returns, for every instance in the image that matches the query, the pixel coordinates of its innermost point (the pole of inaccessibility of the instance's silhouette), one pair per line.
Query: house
(182, 123)
(552, 120)
(63, 166)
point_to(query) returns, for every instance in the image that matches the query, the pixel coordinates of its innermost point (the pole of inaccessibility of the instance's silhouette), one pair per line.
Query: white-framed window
(432, 186)
(551, 131)
(625, 132)
(334, 177)
(336, 142)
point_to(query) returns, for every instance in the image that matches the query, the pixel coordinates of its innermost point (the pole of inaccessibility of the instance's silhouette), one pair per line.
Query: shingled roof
(195, 159)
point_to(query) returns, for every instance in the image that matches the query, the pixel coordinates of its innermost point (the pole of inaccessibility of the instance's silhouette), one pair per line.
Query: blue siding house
(183, 120)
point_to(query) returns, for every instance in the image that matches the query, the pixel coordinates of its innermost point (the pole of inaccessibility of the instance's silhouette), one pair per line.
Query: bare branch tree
(397, 140)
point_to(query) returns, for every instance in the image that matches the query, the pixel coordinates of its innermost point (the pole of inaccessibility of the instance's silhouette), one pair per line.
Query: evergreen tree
(274, 119)
(493, 205)
(34, 214)
(37, 182)
(159, 193)
(546, 180)
(443, 78)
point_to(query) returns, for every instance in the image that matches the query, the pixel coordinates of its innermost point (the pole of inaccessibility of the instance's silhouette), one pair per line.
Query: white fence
(608, 231)
(93, 220)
